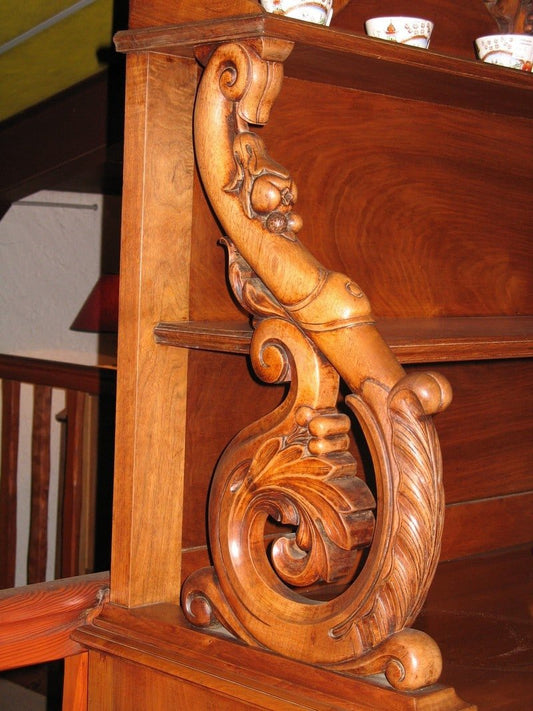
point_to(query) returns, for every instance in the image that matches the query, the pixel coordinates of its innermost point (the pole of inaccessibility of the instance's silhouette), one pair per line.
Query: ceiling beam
(69, 142)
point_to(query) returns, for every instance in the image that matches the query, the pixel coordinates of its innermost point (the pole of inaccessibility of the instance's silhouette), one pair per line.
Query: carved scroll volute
(294, 465)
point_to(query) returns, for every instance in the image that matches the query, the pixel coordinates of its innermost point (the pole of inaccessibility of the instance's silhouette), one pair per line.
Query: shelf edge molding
(436, 340)
(347, 59)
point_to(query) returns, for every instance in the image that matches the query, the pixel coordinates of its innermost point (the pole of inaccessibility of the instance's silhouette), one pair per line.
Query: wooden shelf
(342, 58)
(222, 337)
(412, 340)
(459, 338)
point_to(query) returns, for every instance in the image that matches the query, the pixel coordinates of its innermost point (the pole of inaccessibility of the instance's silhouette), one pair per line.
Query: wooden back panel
(428, 211)
(430, 222)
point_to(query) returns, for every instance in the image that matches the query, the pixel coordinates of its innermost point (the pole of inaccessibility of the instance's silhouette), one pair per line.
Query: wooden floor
(14, 697)
(35, 688)
(480, 611)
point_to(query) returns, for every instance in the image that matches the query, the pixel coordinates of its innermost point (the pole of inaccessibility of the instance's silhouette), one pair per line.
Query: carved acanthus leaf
(250, 291)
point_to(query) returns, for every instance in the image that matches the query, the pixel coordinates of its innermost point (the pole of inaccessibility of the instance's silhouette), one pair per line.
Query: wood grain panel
(487, 525)
(75, 683)
(478, 611)
(163, 664)
(153, 286)
(211, 298)
(426, 220)
(116, 679)
(160, 12)
(8, 481)
(485, 434)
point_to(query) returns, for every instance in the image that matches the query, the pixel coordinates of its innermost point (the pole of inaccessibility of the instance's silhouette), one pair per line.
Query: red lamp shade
(99, 313)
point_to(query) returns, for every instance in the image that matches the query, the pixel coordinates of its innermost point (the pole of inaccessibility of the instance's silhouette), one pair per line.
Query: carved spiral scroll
(294, 465)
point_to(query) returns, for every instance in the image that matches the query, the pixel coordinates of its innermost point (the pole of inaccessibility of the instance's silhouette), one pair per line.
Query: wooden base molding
(203, 671)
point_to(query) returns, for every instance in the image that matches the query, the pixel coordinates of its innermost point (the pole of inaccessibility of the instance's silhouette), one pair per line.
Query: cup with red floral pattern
(513, 51)
(413, 31)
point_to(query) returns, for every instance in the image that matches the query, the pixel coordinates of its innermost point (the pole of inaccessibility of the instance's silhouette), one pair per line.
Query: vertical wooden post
(75, 685)
(40, 484)
(73, 491)
(8, 481)
(154, 284)
(89, 474)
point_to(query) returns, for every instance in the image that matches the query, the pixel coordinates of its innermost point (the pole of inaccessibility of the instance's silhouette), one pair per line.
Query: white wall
(51, 256)
(50, 259)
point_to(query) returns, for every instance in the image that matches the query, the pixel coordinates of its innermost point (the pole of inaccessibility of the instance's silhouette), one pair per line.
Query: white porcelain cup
(514, 51)
(413, 31)
(319, 11)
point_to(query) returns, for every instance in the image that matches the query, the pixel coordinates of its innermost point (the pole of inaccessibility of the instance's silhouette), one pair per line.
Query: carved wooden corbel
(512, 16)
(312, 327)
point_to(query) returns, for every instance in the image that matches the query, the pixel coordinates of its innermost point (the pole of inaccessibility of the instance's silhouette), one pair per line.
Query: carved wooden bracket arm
(312, 327)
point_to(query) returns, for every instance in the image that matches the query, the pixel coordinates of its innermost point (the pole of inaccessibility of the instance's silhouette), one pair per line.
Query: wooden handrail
(91, 379)
(36, 621)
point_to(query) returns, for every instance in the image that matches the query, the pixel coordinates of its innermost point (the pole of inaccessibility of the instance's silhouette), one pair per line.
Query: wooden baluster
(89, 484)
(8, 481)
(72, 497)
(40, 483)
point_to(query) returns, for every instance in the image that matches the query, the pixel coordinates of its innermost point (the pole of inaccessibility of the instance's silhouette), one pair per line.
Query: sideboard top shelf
(342, 58)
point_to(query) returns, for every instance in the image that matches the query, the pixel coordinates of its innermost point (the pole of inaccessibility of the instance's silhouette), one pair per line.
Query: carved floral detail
(265, 189)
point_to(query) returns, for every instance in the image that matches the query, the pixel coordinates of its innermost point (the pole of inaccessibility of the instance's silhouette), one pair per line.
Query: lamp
(99, 313)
